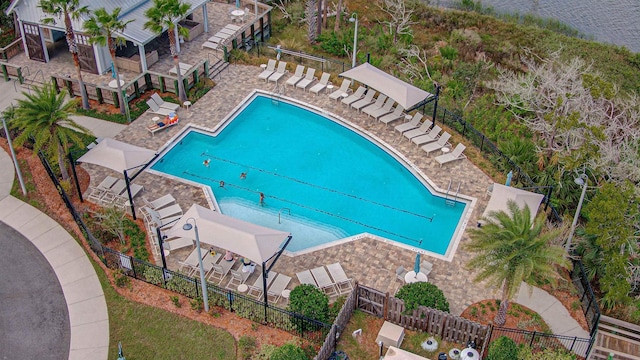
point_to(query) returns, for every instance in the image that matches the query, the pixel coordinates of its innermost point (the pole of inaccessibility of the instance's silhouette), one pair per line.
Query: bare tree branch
(400, 22)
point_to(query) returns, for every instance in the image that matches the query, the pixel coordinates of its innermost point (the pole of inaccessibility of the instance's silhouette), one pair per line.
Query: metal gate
(33, 39)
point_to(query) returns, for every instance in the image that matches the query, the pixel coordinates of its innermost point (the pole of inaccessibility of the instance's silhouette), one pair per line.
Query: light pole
(203, 282)
(354, 18)
(580, 180)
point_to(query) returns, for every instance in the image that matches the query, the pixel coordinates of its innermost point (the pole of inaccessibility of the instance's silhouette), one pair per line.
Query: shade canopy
(502, 194)
(255, 242)
(117, 155)
(403, 93)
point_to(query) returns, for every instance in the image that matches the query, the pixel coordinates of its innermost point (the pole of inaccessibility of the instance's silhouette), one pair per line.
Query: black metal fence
(539, 341)
(243, 306)
(588, 299)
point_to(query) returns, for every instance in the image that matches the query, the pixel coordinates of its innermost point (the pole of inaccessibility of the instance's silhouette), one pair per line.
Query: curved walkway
(551, 310)
(87, 308)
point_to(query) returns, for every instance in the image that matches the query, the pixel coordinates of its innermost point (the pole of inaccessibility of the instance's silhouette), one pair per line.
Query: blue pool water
(321, 181)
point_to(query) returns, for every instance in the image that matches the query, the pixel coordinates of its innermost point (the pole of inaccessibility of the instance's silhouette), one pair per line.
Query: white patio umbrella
(501, 195)
(403, 93)
(258, 243)
(121, 157)
(117, 155)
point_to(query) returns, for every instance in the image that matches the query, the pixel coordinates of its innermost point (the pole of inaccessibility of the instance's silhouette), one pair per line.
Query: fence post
(5, 73)
(385, 306)
(532, 338)
(133, 267)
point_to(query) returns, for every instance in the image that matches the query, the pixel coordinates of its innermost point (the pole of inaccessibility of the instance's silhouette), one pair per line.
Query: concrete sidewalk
(88, 316)
(551, 310)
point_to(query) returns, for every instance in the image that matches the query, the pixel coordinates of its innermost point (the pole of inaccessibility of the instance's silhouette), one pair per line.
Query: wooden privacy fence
(340, 323)
(16, 47)
(448, 327)
(618, 337)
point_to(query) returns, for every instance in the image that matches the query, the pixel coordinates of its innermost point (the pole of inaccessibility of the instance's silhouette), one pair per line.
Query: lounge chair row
(225, 33)
(381, 108)
(335, 285)
(300, 79)
(112, 191)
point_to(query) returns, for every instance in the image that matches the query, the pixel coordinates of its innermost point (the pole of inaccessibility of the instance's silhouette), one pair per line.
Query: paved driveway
(34, 320)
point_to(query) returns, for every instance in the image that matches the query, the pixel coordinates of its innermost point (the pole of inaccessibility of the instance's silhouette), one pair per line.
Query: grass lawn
(150, 333)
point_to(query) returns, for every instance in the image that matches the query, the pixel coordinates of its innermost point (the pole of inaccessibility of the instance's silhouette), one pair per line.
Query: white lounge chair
(99, 191)
(177, 243)
(189, 263)
(443, 141)
(397, 113)
(256, 290)
(282, 69)
(306, 278)
(270, 69)
(160, 202)
(156, 109)
(456, 154)
(122, 200)
(423, 129)
(343, 283)
(237, 278)
(278, 285)
(355, 96)
(431, 136)
(164, 104)
(344, 89)
(368, 99)
(219, 271)
(324, 281)
(384, 110)
(413, 124)
(324, 81)
(297, 76)
(308, 79)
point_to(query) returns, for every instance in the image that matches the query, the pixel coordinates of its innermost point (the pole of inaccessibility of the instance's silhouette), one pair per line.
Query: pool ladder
(277, 93)
(447, 200)
(280, 212)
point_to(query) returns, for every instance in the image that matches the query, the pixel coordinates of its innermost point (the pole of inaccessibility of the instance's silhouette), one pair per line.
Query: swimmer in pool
(243, 176)
(206, 162)
(221, 183)
(262, 199)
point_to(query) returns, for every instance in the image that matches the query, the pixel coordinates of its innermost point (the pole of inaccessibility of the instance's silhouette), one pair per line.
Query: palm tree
(45, 117)
(68, 9)
(510, 249)
(102, 27)
(165, 14)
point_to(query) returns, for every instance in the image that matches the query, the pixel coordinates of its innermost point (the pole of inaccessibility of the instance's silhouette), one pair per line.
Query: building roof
(28, 11)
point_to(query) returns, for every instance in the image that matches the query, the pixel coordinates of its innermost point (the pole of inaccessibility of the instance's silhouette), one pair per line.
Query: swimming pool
(321, 181)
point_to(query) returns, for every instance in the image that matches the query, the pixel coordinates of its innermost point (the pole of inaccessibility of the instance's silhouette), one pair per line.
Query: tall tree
(165, 14)
(510, 249)
(336, 26)
(68, 10)
(104, 29)
(45, 117)
(400, 12)
(310, 16)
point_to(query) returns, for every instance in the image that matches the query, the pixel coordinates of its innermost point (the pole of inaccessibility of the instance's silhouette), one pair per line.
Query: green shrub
(526, 353)
(289, 352)
(176, 301)
(422, 294)
(503, 349)
(120, 278)
(307, 300)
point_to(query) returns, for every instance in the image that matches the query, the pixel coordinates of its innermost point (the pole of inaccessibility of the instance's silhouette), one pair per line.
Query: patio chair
(344, 89)
(400, 273)
(160, 202)
(305, 277)
(378, 113)
(297, 76)
(355, 96)
(278, 285)
(270, 69)
(155, 109)
(282, 69)
(324, 281)
(98, 192)
(122, 200)
(237, 278)
(308, 79)
(177, 243)
(413, 124)
(397, 113)
(208, 262)
(426, 267)
(164, 213)
(256, 290)
(170, 120)
(423, 129)
(431, 136)
(343, 283)
(189, 264)
(164, 104)
(368, 99)
(443, 141)
(219, 271)
(456, 154)
(322, 84)
(112, 193)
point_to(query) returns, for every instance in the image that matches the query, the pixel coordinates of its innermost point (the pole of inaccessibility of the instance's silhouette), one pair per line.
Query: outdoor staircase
(217, 67)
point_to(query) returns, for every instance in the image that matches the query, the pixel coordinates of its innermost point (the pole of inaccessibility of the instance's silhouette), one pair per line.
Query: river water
(610, 21)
